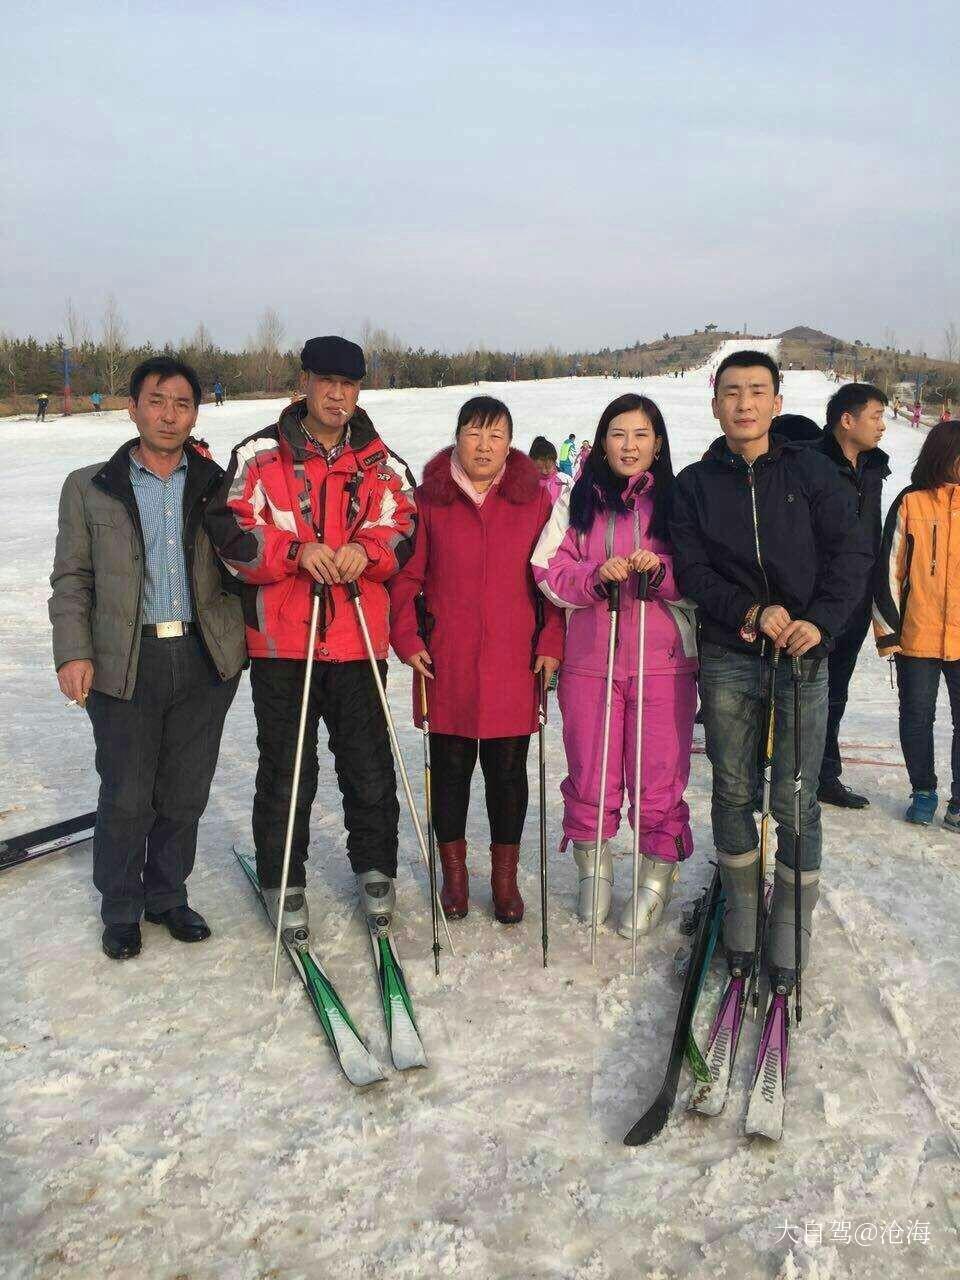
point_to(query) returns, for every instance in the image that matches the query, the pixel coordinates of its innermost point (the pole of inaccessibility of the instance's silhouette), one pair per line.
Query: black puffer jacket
(804, 550)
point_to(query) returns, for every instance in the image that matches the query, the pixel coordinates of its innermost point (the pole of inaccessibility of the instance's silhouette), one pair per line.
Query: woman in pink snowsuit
(608, 529)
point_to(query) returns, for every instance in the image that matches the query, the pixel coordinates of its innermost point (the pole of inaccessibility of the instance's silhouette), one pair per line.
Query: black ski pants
(344, 696)
(841, 663)
(156, 756)
(504, 765)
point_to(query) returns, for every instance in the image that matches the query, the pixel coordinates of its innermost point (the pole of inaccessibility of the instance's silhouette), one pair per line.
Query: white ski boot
(583, 856)
(378, 897)
(655, 886)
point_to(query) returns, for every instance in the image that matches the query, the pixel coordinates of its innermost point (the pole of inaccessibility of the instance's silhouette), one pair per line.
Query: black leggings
(504, 765)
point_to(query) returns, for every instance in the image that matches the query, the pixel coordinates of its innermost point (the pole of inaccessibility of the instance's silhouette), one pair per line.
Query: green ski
(356, 1061)
(406, 1047)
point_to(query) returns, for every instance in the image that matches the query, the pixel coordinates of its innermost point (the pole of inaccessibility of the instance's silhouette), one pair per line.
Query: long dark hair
(599, 488)
(939, 454)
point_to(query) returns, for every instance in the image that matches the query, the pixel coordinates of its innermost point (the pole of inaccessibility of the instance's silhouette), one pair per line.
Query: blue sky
(577, 175)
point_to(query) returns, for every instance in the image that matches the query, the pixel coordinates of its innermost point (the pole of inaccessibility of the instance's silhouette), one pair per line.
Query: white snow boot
(583, 856)
(295, 913)
(378, 897)
(655, 885)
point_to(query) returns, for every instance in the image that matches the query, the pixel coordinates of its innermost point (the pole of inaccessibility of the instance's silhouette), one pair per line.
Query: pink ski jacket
(566, 567)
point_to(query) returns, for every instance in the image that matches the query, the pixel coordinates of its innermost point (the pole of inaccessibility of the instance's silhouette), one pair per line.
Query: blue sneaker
(951, 819)
(922, 807)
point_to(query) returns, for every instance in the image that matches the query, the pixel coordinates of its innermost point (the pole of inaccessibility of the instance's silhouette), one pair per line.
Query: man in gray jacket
(148, 636)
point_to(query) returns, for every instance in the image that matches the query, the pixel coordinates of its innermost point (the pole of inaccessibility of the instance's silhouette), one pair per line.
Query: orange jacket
(917, 590)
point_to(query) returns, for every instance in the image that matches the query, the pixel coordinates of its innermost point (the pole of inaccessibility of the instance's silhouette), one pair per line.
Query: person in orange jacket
(916, 613)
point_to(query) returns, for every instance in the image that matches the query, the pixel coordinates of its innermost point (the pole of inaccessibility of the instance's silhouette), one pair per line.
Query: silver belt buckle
(169, 630)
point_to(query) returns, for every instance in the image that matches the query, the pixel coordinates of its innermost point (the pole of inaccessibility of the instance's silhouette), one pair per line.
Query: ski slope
(169, 1118)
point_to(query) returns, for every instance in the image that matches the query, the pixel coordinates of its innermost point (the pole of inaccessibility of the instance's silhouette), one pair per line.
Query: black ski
(33, 844)
(657, 1114)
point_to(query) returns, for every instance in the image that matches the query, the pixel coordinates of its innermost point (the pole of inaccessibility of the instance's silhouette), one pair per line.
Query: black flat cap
(334, 355)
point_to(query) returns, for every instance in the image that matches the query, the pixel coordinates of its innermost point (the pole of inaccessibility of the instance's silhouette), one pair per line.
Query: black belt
(167, 630)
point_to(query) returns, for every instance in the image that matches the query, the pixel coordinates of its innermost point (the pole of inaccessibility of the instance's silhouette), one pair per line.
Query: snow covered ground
(168, 1118)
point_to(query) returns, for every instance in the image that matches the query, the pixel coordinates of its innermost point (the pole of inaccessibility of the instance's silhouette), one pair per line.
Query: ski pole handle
(353, 590)
(643, 583)
(613, 597)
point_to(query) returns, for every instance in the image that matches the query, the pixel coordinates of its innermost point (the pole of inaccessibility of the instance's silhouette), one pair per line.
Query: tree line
(269, 364)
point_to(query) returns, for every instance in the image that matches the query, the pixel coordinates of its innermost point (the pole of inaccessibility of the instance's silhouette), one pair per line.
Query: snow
(168, 1118)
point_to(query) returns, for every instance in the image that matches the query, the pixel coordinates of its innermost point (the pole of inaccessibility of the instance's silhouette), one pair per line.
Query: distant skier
(218, 392)
(915, 416)
(96, 399)
(566, 454)
(42, 401)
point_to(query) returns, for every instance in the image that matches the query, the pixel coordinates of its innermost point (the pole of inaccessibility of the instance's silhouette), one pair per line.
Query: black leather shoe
(121, 941)
(836, 793)
(185, 924)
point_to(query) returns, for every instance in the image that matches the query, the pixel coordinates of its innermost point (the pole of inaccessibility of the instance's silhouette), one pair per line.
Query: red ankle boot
(455, 894)
(507, 903)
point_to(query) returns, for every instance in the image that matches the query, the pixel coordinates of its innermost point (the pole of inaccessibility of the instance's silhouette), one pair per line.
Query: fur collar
(520, 483)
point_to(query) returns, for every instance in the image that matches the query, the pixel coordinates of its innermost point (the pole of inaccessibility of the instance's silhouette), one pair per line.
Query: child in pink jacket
(543, 455)
(609, 528)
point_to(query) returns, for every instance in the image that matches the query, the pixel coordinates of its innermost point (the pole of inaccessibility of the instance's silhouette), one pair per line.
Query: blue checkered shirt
(166, 592)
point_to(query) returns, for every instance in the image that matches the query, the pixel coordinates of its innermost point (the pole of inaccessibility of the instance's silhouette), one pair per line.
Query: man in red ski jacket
(318, 497)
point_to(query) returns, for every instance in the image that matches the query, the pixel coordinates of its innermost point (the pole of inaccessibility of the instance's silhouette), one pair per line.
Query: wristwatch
(748, 628)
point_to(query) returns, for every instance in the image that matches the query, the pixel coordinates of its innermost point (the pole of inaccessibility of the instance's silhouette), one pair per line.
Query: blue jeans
(918, 681)
(732, 694)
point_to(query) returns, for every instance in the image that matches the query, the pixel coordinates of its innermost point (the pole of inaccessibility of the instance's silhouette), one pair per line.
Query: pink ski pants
(669, 705)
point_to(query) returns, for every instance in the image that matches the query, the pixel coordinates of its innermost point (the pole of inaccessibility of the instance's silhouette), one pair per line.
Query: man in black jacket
(854, 429)
(766, 543)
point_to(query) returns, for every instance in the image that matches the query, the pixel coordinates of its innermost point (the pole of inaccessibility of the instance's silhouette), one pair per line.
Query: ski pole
(353, 591)
(424, 627)
(643, 580)
(768, 722)
(541, 735)
(316, 591)
(613, 604)
(797, 826)
(431, 838)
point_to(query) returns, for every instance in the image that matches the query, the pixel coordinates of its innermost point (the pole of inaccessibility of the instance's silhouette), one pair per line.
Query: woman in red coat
(481, 509)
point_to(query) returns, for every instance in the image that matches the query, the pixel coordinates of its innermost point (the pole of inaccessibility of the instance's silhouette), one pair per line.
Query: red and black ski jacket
(280, 492)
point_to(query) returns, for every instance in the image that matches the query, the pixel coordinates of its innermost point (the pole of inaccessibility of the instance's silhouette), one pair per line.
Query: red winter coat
(473, 566)
(279, 493)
